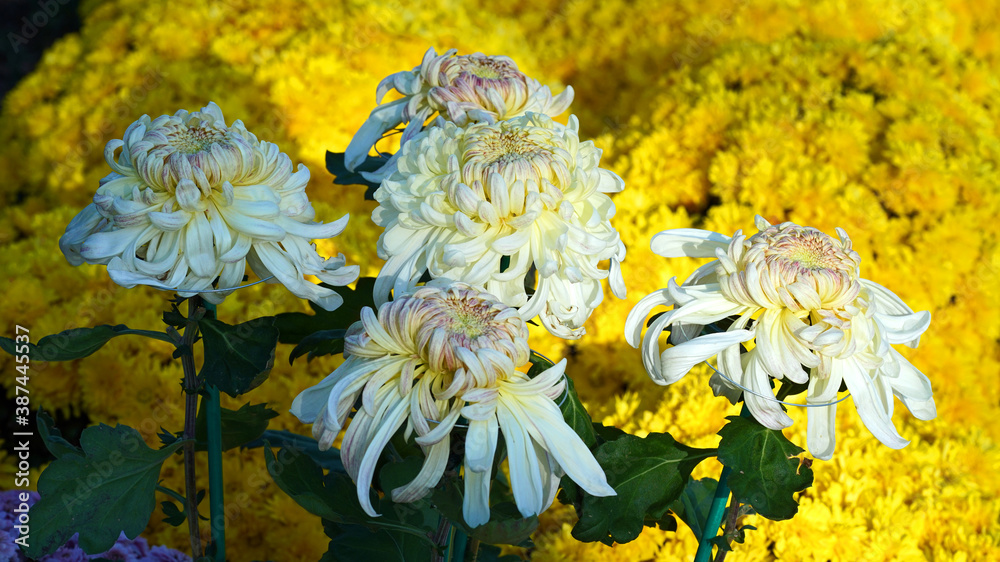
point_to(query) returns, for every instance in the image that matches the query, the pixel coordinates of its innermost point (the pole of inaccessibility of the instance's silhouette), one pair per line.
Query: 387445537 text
(22, 415)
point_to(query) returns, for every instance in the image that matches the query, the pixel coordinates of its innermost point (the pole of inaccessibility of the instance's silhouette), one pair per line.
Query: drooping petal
(689, 242)
(676, 361)
(869, 402)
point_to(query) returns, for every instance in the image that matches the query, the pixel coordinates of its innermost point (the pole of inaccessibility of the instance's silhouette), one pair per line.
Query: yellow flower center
(516, 154)
(486, 69)
(809, 249)
(509, 146)
(467, 321)
(191, 140)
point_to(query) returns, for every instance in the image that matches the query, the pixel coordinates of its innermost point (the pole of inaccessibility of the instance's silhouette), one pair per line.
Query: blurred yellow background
(880, 117)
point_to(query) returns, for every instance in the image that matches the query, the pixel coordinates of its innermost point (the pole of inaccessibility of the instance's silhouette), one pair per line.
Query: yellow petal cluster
(875, 116)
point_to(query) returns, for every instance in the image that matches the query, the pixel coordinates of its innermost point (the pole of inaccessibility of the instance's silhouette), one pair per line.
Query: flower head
(798, 295)
(192, 201)
(427, 358)
(462, 89)
(487, 203)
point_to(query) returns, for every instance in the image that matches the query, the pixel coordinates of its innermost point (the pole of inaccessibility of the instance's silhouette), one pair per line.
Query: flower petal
(676, 361)
(869, 401)
(690, 242)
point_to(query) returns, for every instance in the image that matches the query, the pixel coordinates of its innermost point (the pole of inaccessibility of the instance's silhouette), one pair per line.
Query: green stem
(150, 334)
(190, 415)
(176, 495)
(715, 514)
(216, 492)
(717, 510)
(461, 540)
(216, 488)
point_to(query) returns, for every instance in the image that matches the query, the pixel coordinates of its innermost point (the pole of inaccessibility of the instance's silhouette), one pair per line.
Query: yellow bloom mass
(875, 116)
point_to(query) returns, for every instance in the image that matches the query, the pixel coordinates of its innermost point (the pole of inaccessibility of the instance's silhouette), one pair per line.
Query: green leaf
(648, 474)
(342, 176)
(576, 415)
(300, 444)
(317, 344)
(76, 343)
(238, 358)
(351, 543)
(693, 505)
(333, 497)
(303, 480)
(239, 427)
(419, 514)
(106, 490)
(293, 327)
(506, 524)
(766, 470)
(53, 438)
(172, 514)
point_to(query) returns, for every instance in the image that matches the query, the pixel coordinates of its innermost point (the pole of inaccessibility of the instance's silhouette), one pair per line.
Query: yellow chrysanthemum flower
(439, 354)
(801, 294)
(460, 200)
(192, 201)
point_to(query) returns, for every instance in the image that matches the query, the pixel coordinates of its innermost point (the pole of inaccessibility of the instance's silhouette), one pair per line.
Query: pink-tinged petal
(394, 418)
(690, 242)
(101, 246)
(87, 222)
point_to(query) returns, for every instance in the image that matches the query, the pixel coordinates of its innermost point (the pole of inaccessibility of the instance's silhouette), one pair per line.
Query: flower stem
(461, 540)
(216, 488)
(714, 520)
(190, 415)
(732, 521)
(216, 491)
(717, 510)
(442, 539)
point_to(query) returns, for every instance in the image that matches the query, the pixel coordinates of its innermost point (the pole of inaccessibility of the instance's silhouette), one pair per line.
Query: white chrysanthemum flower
(192, 201)
(460, 200)
(461, 89)
(798, 295)
(438, 354)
